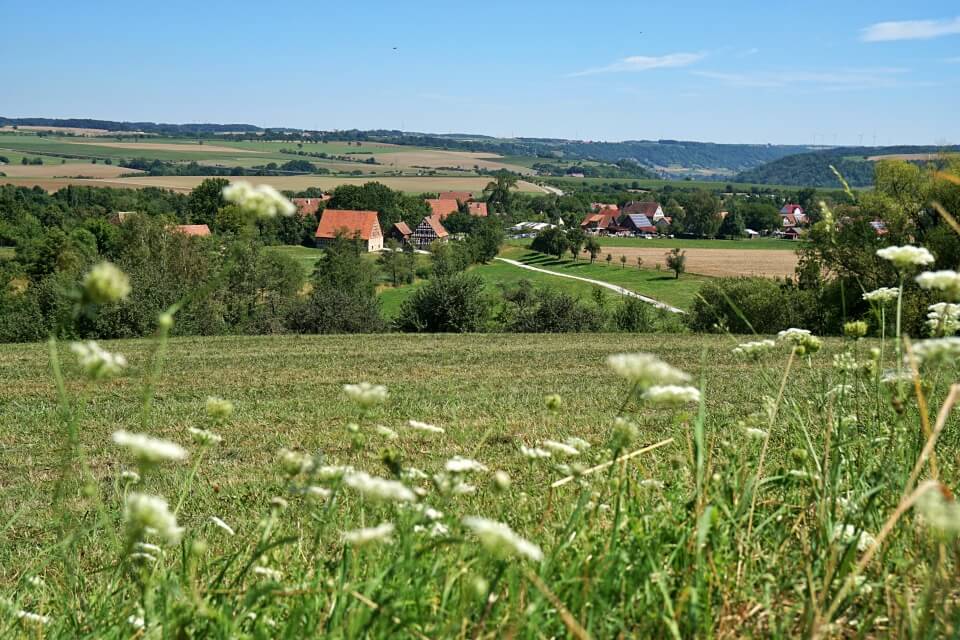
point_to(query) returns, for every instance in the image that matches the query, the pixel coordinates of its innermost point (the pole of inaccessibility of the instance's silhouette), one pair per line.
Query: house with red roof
(401, 232)
(477, 209)
(456, 196)
(360, 225)
(443, 207)
(637, 223)
(429, 230)
(652, 210)
(308, 206)
(603, 222)
(198, 230)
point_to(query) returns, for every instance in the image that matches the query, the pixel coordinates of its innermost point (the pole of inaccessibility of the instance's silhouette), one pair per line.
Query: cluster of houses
(632, 219)
(365, 226)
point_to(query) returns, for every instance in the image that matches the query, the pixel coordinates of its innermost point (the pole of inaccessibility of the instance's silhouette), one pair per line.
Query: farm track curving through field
(598, 283)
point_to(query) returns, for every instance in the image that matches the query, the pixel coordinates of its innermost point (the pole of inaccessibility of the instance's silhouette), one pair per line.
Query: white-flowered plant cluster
(262, 201)
(105, 284)
(883, 295)
(96, 362)
(907, 257)
(943, 318)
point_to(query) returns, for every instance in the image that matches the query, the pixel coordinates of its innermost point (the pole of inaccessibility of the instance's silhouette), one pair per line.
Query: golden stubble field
(68, 170)
(436, 159)
(714, 262)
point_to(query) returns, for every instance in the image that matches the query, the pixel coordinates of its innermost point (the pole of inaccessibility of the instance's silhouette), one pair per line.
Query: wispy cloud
(880, 77)
(645, 63)
(910, 30)
(752, 51)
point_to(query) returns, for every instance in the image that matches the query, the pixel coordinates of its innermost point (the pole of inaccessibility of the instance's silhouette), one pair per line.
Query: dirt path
(716, 262)
(599, 283)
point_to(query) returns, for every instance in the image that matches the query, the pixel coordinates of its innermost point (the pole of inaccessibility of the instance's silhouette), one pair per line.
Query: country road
(599, 283)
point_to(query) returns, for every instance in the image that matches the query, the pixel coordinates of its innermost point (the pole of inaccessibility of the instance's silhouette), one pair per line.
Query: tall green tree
(498, 191)
(205, 200)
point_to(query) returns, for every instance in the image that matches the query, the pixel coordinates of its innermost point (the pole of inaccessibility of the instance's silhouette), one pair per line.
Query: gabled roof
(791, 209)
(402, 228)
(602, 220)
(478, 209)
(352, 224)
(308, 206)
(434, 223)
(640, 221)
(599, 206)
(646, 208)
(192, 229)
(462, 196)
(443, 207)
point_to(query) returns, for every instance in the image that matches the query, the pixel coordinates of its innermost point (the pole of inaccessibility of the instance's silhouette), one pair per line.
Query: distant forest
(813, 169)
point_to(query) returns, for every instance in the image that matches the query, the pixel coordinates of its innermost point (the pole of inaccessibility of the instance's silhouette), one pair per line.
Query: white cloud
(910, 30)
(880, 77)
(645, 63)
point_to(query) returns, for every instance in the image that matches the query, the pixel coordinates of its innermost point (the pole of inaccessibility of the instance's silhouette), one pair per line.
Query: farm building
(443, 207)
(600, 206)
(361, 225)
(308, 206)
(603, 222)
(637, 223)
(663, 224)
(456, 196)
(652, 210)
(429, 230)
(477, 209)
(401, 232)
(199, 230)
(792, 210)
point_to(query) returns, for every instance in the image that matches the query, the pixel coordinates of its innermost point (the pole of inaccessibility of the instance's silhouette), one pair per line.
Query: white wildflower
(423, 426)
(754, 349)
(671, 395)
(412, 473)
(883, 295)
(435, 530)
(847, 533)
(387, 432)
(318, 493)
(144, 513)
(96, 362)
(379, 488)
(462, 488)
(365, 394)
(501, 540)
(204, 436)
(845, 362)
(147, 449)
(218, 408)
(268, 573)
(943, 318)
(939, 511)
(457, 464)
(333, 471)
(430, 513)
(937, 349)
(36, 581)
(35, 618)
(560, 447)
(906, 257)
(131, 477)
(501, 480)
(840, 390)
(757, 434)
(294, 462)
(794, 335)
(947, 281)
(146, 547)
(534, 453)
(279, 503)
(892, 376)
(577, 443)
(645, 370)
(137, 622)
(223, 525)
(262, 200)
(655, 484)
(105, 283)
(359, 537)
(142, 556)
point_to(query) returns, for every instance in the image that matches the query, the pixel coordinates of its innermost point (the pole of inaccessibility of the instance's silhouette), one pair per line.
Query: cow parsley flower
(534, 453)
(847, 533)
(645, 370)
(412, 473)
(294, 463)
(943, 318)
(148, 450)
(855, 329)
(144, 513)
(501, 540)
(379, 488)
(845, 362)
(387, 432)
(331, 472)
(318, 494)
(262, 200)
(650, 483)
(501, 480)
(577, 443)
(223, 525)
(380, 533)
(560, 447)
(883, 295)
(204, 436)
(939, 511)
(365, 394)
(671, 395)
(423, 426)
(105, 283)
(435, 530)
(757, 434)
(461, 488)
(946, 280)
(35, 618)
(457, 464)
(96, 362)
(937, 349)
(906, 257)
(218, 408)
(130, 477)
(802, 340)
(754, 349)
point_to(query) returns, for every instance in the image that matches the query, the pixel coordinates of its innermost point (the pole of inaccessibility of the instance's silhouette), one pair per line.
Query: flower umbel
(883, 295)
(671, 395)
(365, 394)
(146, 514)
(262, 200)
(105, 283)
(501, 540)
(906, 257)
(645, 370)
(97, 362)
(147, 449)
(360, 537)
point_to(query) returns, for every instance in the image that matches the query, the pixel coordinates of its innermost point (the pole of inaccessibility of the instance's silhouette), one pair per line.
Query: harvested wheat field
(716, 262)
(298, 183)
(169, 146)
(436, 159)
(69, 170)
(77, 131)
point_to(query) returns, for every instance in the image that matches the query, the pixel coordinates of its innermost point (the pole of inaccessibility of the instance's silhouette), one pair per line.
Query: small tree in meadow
(593, 248)
(677, 261)
(639, 262)
(623, 261)
(609, 259)
(575, 241)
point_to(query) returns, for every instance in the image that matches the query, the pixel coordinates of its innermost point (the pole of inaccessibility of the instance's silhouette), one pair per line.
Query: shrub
(449, 303)
(547, 310)
(741, 305)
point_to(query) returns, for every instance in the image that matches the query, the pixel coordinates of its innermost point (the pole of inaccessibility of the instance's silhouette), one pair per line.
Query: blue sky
(836, 72)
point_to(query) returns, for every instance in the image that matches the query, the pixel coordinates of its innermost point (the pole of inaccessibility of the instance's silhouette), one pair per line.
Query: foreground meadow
(762, 512)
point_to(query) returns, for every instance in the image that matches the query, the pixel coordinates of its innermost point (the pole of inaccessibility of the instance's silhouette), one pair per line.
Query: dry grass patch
(436, 159)
(69, 170)
(714, 262)
(169, 146)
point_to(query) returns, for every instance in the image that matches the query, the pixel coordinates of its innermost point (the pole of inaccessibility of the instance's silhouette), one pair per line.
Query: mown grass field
(759, 244)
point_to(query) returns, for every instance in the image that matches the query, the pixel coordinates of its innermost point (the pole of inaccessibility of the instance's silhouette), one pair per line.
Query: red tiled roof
(402, 228)
(462, 196)
(434, 222)
(350, 223)
(591, 217)
(791, 208)
(646, 208)
(604, 219)
(442, 207)
(478, 209)
(193, 229)
(308, 206)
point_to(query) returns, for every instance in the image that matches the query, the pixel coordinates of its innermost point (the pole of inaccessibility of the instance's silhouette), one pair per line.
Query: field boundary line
(599, 283)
